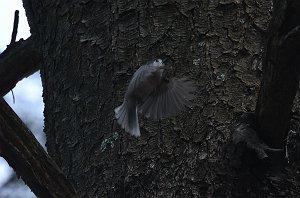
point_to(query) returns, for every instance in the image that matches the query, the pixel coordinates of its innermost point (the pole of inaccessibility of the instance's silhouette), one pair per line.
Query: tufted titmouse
(152, 95)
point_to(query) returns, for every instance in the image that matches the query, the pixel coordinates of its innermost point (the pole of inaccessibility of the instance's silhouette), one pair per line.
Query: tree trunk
(90, 51)
(281, 74)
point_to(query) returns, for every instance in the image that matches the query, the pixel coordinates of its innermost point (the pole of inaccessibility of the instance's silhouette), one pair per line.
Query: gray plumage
(152, 95)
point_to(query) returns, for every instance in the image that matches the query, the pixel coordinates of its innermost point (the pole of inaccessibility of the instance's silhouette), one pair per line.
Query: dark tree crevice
(281, 69)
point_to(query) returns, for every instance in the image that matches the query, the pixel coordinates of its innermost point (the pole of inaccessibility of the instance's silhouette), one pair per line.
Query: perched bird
(152, 95)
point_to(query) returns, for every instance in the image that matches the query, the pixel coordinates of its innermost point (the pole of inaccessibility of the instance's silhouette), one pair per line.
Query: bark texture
(90, 51)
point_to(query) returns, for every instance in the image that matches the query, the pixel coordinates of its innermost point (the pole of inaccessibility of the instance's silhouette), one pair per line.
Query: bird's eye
(156, 61)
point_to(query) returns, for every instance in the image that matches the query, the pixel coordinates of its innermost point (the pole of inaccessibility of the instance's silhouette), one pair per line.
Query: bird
(153, 95)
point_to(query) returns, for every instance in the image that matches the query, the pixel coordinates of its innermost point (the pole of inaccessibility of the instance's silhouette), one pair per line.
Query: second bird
(152, 95)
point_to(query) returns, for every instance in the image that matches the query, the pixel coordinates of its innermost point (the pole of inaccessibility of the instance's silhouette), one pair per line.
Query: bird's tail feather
(127, 117)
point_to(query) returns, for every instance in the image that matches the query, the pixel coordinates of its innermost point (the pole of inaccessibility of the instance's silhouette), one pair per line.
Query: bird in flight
(152, 95)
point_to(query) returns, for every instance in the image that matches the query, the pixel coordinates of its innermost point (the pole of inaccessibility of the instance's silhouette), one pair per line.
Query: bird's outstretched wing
(168, 99)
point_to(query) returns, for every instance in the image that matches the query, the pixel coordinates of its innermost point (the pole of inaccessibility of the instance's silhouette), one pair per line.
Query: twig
(14, 36)
(15, 28)
(13, 95)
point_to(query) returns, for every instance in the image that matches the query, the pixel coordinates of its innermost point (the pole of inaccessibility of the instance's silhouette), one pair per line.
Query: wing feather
(168, 99)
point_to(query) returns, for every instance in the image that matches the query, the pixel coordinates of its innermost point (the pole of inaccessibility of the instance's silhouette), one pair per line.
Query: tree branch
(27, 157)
(18, 61)
(281, 69)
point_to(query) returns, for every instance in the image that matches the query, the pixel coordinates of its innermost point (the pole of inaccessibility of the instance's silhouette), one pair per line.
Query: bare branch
(18, 61)
(27, 157)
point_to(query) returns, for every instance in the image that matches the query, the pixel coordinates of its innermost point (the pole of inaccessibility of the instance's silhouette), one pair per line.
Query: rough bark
(91, 49)
(28, 158)
(280, 74)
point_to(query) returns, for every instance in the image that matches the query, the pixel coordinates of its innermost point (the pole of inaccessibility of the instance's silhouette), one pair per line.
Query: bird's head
(158, 63)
